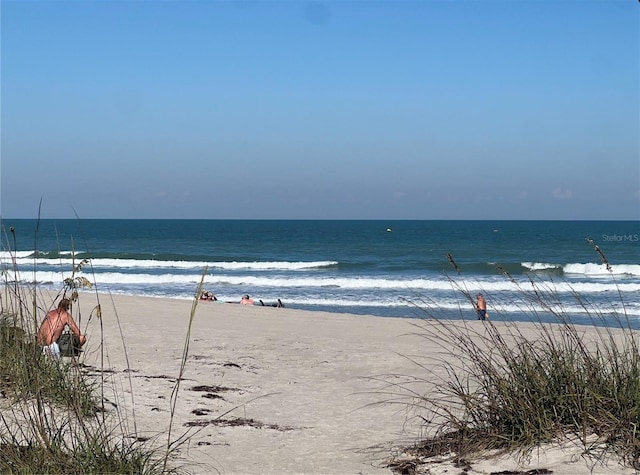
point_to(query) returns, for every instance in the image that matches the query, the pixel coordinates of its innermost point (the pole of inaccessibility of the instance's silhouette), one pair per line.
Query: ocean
(381, 268)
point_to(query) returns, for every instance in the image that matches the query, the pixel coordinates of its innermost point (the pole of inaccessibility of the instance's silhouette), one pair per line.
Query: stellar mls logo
(621, 237)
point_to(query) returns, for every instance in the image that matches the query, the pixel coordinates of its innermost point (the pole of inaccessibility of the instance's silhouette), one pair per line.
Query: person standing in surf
(481, 307)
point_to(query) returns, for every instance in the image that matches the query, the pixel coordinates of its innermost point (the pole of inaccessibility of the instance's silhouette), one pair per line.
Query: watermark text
(621, 237)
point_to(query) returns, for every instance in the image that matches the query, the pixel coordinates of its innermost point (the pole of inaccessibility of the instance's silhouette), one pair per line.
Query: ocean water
(383, 268)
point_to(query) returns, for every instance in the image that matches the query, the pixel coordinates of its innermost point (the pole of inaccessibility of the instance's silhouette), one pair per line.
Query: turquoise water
(384, 268)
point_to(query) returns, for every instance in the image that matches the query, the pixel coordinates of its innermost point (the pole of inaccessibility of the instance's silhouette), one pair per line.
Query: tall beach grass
(503, 386)
(54, 416)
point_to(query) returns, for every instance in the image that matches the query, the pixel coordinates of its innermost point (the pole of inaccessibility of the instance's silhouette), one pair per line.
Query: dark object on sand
(279, 304)
(69, 344)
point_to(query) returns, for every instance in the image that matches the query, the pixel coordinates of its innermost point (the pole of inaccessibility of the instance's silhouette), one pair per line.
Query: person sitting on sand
(52, 327)
(481, 307)
(246, 300)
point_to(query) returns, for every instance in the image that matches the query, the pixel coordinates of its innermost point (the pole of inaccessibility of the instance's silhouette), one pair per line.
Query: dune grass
(53, 418)
(495, 388)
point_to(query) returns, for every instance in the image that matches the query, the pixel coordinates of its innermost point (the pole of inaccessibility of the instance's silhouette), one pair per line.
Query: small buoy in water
(388, 230)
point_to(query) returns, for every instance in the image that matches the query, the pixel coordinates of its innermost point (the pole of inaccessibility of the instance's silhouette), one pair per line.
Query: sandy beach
(272, 390)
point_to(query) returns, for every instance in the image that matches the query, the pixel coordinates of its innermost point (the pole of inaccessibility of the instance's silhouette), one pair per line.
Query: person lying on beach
(246, 300)
(279, 304)
(52, 327)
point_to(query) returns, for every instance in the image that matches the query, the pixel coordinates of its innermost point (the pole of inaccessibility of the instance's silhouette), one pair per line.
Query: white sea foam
(26, 258)
(588, 269)
(271, 265)
(344, 283)
(601, 269)
(8, 255)
(535, 266)
(158, 264)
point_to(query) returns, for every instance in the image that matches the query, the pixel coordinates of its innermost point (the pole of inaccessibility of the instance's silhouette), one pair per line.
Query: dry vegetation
(510, 392)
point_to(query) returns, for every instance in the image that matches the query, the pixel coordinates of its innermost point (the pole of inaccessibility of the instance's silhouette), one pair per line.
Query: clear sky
(396, 109)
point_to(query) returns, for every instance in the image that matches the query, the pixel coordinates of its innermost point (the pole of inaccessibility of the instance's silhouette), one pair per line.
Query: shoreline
(271, 390)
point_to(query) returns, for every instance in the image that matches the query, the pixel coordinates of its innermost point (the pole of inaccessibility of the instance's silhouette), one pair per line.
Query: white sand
(311, 383)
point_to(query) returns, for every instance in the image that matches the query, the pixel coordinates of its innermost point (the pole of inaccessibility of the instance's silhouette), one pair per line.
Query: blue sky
(321, 110)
